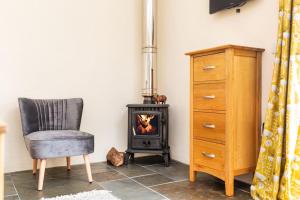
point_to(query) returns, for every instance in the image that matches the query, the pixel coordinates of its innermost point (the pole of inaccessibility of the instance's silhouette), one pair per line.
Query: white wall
(70, 48)
(185, 25)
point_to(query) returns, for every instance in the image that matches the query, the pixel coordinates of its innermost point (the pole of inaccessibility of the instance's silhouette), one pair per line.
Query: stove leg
(166, 159)
(132, 157)
(126, 159)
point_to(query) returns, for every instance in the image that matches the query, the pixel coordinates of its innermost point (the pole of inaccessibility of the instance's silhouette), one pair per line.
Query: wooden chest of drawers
(225, 112)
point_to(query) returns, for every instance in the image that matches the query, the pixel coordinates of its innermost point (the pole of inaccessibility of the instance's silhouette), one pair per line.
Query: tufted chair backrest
(50, 114)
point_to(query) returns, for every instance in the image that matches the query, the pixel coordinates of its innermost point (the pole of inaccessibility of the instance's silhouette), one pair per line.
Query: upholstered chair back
(50, 114)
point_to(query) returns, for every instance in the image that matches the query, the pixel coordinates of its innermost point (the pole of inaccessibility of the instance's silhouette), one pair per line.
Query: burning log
(144, 124)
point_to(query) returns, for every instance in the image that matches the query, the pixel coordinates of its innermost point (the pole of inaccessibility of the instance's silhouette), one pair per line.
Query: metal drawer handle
(211, 67)
(209, 97)
(212, 126)
(208, 155)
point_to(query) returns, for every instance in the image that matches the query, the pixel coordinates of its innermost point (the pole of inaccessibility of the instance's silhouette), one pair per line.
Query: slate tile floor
(146, 179)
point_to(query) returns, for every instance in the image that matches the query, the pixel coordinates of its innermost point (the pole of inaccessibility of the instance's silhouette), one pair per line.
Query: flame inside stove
(144, 124)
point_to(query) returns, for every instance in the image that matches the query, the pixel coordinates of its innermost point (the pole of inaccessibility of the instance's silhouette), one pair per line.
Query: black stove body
(148, 130)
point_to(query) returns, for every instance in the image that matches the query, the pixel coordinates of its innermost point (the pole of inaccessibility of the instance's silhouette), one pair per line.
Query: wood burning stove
(148, 122)
(148, 130)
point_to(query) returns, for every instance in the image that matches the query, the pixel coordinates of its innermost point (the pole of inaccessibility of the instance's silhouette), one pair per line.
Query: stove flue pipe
(149, 50)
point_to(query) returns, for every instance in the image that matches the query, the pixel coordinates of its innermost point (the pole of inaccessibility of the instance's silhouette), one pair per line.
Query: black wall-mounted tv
(217, 5)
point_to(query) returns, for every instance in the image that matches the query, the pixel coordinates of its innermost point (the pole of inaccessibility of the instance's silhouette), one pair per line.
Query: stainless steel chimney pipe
(149, 50)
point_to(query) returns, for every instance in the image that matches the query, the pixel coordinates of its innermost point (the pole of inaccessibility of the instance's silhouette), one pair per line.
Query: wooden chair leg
(38, 163)
(68, 163)
(34, 166)
(42, 174)
(88, 167)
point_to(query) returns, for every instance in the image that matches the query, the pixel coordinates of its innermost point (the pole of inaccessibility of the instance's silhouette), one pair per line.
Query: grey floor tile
(96, 167)
(9, 188)
(132, 170)
(79, 169)
(12, 197)
(246, 178)
(108, 176)
(99, 177)
(26, 177)
(74, 174)
(127, 189)
(176, 170)
(70, 176)
(205, 190)
(242, 186)
(155, 179)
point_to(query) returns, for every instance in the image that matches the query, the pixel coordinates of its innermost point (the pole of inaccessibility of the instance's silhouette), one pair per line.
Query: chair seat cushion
(61, 143)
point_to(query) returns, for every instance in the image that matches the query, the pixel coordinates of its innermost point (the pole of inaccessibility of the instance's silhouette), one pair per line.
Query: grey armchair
(51, 130)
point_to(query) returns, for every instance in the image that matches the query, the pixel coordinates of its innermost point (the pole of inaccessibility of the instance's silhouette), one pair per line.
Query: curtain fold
(277, 174)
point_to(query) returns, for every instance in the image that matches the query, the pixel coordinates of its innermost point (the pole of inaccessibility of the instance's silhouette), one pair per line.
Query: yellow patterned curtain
(277, 174)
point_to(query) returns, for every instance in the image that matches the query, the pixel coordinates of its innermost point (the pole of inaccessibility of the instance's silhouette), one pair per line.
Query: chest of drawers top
(222, 49)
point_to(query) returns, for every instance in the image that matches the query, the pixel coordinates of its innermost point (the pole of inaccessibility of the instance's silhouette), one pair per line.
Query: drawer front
(209, 126)
(209, 96)
(209, 154)
(144, 143)
(209, 68)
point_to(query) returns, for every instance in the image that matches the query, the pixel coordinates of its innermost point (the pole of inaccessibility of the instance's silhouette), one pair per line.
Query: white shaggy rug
(92, 195)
